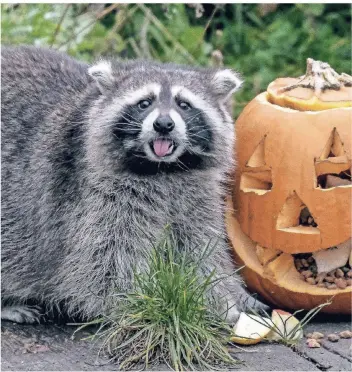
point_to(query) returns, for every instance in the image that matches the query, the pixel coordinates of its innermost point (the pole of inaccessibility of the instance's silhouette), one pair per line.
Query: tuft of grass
(166, 317)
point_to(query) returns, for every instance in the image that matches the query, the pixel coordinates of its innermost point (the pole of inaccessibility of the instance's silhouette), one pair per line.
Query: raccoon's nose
(164, 124)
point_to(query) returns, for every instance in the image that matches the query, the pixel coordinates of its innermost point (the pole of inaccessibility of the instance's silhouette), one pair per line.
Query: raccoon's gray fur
(82, 193)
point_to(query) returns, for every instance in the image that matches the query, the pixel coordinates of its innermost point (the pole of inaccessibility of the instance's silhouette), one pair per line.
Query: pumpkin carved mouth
(274, 274)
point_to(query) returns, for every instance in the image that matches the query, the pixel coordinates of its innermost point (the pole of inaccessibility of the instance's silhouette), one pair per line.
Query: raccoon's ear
(225, 83)
(102, 74)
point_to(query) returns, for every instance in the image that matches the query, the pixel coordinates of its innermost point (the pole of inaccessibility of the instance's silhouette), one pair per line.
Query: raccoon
(96, 160)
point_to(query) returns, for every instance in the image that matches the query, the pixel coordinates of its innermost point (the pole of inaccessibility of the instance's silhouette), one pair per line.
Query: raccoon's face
(154, 117)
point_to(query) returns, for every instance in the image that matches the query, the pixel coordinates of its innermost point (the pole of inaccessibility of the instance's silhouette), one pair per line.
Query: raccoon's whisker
(197, 126)
(193, 135)
(189, 120)
(182, 165)
(192, 117)
(129, 125)
(198, 129)
(129, 122)
(207, 110)
(129, 115)
(206, 154)
(124, 125)
(127, 131)
(201, 151)
(201, 131)
(140, 156)
(121, 125)
(121, 107)
(132, 121)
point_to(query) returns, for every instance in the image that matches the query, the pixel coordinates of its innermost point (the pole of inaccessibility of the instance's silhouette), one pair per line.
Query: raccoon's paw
(21, 314)
(232, 314)
(249, 303)
(246, 304)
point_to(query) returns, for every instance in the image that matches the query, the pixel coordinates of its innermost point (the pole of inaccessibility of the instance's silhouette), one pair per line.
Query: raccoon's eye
(184, 105)
(144, 104)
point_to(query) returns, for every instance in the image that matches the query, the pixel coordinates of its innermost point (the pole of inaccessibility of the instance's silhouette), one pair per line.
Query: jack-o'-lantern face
(289, 163)
(292, 191)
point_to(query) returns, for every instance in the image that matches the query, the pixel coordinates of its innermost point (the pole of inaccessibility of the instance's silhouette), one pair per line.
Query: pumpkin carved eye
(331, 180)
(258, 177)
(257, 159)
(332, 167)
(259, 182)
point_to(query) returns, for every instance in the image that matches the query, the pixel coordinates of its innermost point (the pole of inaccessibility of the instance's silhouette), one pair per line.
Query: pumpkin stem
(319, 77)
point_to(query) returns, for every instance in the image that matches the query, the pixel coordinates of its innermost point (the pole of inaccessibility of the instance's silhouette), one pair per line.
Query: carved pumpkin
(292, 191)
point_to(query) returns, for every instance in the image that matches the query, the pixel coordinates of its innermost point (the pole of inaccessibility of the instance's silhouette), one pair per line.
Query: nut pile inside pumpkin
(292, 191)
(336, 278)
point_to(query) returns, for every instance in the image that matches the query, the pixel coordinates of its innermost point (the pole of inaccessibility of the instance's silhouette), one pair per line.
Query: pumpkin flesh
(321, 88)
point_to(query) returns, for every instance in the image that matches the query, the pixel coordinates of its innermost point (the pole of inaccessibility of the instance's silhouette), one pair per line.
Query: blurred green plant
(261, 41)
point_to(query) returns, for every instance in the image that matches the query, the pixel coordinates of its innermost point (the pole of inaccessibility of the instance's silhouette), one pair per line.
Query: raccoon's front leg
(234, 298)
(21, 314)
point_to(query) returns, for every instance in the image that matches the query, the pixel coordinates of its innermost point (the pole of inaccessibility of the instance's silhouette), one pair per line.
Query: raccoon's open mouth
(162, 147)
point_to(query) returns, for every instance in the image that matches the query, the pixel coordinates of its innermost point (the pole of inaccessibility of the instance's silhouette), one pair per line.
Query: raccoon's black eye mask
(198, 130)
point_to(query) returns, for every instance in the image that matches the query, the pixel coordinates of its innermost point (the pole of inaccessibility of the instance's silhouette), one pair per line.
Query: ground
(49, 347)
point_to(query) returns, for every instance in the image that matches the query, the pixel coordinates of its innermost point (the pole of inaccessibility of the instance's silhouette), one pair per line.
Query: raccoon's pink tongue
(161, 147)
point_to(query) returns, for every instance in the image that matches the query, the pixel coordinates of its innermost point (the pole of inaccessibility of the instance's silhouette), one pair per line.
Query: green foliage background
(261, 41)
